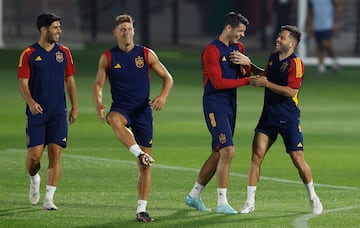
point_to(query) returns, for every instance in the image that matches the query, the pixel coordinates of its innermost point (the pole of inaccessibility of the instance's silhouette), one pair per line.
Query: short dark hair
(122, 18)
(294, 31)
(46, 19)
(234, 19)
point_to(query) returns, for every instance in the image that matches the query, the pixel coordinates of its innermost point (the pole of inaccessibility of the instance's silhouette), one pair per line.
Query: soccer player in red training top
(42, 70)
(224, 69)
(281, 115)
(127, 67)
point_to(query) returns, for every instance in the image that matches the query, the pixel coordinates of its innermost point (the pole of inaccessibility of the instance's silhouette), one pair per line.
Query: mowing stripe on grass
(192, 170)
(197, 170)
(298, 222)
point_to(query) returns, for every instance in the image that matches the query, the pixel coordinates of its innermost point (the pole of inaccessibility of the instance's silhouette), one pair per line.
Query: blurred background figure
(282, 9)
(165, 24)
(323, 22)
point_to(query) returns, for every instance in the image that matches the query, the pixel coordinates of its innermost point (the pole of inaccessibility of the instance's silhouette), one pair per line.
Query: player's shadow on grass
(192, 218)
(17, 211)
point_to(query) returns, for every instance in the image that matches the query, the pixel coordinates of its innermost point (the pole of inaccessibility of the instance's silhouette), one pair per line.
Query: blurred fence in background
(166, 23)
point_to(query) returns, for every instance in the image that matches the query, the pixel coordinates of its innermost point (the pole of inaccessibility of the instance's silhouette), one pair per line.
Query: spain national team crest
(222, 138)
(283, 66)
(139, 62)
(59, 56)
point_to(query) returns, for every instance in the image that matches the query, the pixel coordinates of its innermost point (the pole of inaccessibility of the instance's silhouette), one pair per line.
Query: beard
(49, 38)
(234, 40)
(282, 48)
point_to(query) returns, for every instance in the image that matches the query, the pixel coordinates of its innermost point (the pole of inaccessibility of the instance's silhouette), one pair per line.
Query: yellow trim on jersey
(22, 56)
(295, 98)
(71, 58)
(298, 66)
(298, 74)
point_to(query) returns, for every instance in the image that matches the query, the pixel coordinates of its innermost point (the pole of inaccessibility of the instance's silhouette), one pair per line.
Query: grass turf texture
(98, 184)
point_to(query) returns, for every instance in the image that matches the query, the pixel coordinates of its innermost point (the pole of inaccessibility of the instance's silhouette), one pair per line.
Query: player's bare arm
(71, 90)
(35, 108)
(159, 101)
(98, 86)
(257, 70)
(261, 81)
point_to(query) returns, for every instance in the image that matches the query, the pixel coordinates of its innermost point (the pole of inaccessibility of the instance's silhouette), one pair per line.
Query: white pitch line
(197, 170)
(194, 170)
(301, 222)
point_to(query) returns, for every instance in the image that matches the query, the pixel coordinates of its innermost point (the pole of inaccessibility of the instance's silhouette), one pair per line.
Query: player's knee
(116, 118)
(110, 118)
(227, 152)
(54, 155)
(34, 158)
(257, 158)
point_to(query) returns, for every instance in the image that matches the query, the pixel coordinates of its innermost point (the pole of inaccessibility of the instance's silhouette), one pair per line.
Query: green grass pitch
(97, 187)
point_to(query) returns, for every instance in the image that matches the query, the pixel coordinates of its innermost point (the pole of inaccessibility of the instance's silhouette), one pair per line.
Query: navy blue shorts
(220, 119)
(43, 129)
(290, 132)
(141, 123)
(323, 35)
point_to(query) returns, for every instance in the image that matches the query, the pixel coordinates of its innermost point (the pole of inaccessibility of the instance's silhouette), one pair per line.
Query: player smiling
(43, 68)
(281, 115)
